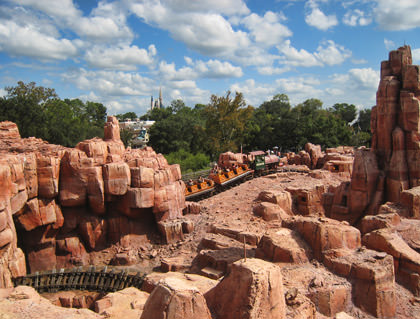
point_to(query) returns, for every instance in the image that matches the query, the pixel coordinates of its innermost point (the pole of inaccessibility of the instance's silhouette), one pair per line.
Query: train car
(232, 169)
(195, 190)
(228, 176)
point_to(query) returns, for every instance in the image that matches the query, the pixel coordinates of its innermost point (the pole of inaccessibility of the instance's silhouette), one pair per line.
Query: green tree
(363, 121)
(177, 105)
(37, 94)
(39, 112)
(183, 129)
(270, 124)
(24, 105)
(347, 112)
(226, 120)
(361, 128)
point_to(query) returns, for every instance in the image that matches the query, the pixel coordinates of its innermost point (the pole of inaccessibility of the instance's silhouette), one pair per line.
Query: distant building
(138, 130)
(158, 103)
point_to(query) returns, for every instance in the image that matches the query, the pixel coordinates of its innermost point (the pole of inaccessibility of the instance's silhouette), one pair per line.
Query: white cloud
(318, 19)
(26, 40)
(100, 29)
(360, 87)
(199, 69)
(294, 57)
(207, 33)
(389, 44)
(63, 9)
(270, 70)
(298, 89)
(267, 30)
(2, 92)
(328, 53)
(416, 55)
(227, 7)
(359, 79)
(110, 83)
(214, 32)
(120, 58)
(356, 17)
(106, 22)
(397, 15)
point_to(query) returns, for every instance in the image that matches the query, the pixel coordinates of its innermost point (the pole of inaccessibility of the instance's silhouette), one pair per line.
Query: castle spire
(160, 97)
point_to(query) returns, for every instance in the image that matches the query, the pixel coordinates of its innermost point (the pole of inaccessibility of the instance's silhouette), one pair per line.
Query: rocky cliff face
(390, 170)
(66, 203)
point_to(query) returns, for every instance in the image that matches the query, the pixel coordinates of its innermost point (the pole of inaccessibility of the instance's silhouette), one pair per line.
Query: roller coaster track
(107, 279)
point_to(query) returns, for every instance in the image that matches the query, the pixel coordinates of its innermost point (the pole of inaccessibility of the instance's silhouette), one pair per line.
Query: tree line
(227, 123)
(39, 112)
(193, 136)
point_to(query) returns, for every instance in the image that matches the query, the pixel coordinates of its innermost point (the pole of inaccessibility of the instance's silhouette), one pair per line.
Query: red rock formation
(390, 171)
(98, 177)
(253, 289)
(174, 298)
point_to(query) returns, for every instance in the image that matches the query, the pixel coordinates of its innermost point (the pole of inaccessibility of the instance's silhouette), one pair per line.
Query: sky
(120, 53)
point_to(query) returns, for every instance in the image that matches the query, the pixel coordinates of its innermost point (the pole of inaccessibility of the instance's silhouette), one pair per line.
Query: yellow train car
(199, 188)
(229, 176)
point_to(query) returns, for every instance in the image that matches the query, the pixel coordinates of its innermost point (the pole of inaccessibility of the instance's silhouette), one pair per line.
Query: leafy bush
(189, 162)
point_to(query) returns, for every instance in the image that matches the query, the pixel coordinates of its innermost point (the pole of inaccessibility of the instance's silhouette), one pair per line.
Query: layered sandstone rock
(372, 276)
(24, 302)
(174, 298)
(68, 202)
(390, 170)
(252, 289)
(127, 303)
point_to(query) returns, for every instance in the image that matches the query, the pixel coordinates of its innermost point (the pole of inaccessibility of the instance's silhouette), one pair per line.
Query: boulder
(315, 153)
(142, 177)
(252, 289)
(127, 303)
(410, 198)
(9, 131)
(112, 129)
(203, 284)
(95, 148)
(48, 173)
(374, 222)
(406, 259)
(283, 245)
(116, 178)
(269, 211)
(24, 302)
(308, 200)
(324, 234)
(171, 230)
(282, 198)
(74, 178)
(372, 277)
(174, 298)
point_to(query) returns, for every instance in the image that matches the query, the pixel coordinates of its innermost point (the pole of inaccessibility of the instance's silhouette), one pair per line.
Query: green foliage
(361, 127)
(346, 112)
(192, 136)
(177, 127)
(189, 162)
(226, 121)
(39, 112)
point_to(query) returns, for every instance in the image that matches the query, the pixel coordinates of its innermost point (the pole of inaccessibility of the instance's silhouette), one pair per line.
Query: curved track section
(107, 279)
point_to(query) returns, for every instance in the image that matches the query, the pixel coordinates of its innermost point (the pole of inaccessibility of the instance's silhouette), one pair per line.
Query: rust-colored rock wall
(67, 202)
(392, 166)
